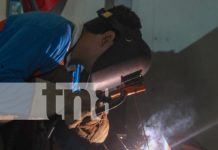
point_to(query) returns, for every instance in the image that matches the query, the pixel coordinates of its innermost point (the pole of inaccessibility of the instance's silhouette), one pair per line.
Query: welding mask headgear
(128, 54)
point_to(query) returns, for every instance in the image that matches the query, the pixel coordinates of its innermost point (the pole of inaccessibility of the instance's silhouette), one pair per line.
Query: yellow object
(107, 14)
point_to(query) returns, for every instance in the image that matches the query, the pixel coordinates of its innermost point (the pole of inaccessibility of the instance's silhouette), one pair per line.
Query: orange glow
(130, 90)
(187, 147)
(115, 95)
(166, 145)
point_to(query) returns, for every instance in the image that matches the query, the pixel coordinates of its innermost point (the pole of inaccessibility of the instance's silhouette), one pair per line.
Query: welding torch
(130, 84)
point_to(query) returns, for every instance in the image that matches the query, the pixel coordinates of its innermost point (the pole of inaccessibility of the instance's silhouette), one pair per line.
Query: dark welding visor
(129, 57)
(122, 60)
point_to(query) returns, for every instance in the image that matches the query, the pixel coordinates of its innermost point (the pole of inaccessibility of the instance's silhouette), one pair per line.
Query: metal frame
(109, 3)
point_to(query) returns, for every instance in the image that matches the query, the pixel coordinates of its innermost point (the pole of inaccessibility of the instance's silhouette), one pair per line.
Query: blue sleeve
(56, 48)
(32, 42)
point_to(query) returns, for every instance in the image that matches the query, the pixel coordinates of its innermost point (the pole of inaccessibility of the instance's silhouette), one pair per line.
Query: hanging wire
(138, 112)
(105, 146)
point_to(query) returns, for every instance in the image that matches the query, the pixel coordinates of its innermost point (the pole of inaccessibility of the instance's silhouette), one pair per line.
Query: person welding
(38, 44)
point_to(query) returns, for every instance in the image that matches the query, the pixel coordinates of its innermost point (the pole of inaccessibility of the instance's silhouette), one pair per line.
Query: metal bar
(109, 3)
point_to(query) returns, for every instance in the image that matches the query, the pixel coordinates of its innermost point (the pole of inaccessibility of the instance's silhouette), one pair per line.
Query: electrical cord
(122, 100)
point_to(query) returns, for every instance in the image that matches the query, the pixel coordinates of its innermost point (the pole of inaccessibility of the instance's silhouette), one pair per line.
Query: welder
(39, 44)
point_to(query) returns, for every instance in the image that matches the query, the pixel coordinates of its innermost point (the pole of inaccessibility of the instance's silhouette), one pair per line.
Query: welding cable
(122, 100)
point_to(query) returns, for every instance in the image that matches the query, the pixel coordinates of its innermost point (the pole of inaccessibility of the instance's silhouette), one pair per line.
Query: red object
(2, 23)
(42, 5)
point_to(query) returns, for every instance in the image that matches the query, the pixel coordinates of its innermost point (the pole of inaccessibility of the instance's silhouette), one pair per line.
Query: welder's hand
(75, 123)
(95, 131)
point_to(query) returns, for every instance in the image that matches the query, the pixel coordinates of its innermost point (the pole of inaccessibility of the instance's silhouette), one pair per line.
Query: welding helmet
(128, 59)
